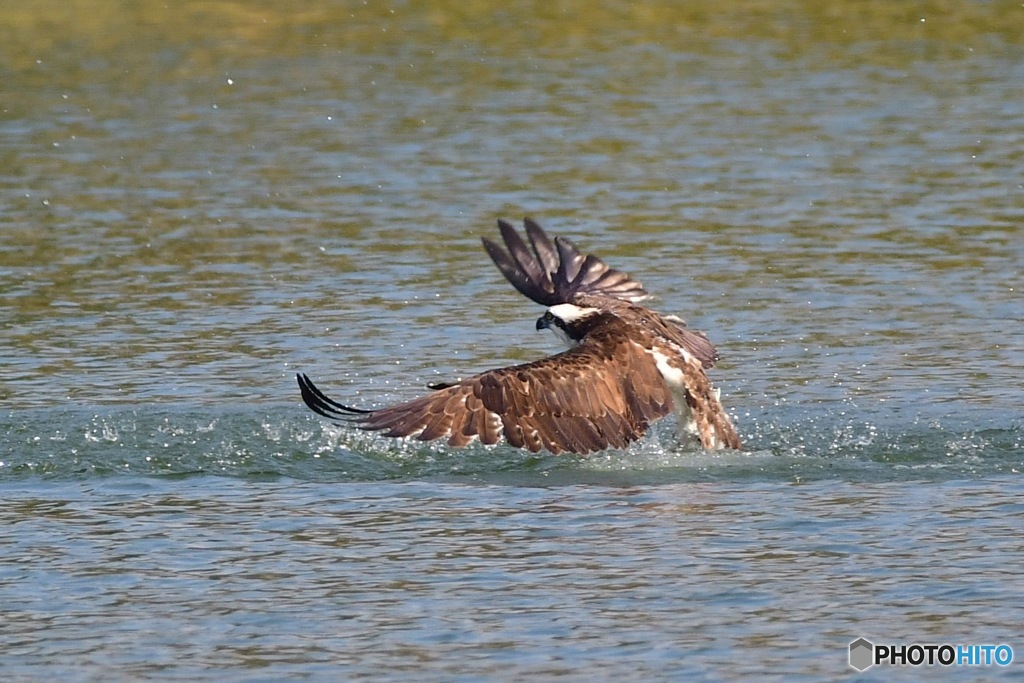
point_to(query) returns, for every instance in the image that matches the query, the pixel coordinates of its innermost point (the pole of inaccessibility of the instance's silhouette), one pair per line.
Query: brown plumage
(626, 367)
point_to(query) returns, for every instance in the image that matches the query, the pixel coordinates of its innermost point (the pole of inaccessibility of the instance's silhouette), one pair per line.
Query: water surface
(201, 199)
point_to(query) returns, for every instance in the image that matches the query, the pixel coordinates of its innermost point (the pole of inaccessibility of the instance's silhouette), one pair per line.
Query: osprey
(625, 368)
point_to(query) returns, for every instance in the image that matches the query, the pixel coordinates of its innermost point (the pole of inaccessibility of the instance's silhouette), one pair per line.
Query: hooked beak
(543, 324)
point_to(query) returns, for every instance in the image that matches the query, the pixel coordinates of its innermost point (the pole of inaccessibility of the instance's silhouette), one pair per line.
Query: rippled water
(201, 200)
(233, 580)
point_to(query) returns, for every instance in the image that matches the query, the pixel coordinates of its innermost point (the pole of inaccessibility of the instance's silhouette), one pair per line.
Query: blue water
(201, 201)
(223, 578)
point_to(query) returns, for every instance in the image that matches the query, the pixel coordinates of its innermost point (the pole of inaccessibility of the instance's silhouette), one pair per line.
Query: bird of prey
(626, 367)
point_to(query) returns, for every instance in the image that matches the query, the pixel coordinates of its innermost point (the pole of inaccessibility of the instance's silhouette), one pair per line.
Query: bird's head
(569, 322)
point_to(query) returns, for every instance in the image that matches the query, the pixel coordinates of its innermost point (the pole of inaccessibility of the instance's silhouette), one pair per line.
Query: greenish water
(201, 199)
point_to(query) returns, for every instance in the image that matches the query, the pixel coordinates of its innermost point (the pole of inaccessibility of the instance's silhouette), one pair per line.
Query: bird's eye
(548, 316)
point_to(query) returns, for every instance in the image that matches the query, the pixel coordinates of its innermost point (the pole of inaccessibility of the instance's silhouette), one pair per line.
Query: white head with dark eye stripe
(568, 321)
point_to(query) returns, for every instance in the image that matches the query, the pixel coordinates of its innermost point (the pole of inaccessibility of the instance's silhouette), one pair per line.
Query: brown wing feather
(695, 342)
(583, 400)
(671, 328)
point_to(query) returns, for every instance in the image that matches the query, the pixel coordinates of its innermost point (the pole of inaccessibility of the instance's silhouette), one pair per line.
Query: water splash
(797, 444)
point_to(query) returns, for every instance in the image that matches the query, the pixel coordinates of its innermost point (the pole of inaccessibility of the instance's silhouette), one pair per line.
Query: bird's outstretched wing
(575, 401)
(554, 272)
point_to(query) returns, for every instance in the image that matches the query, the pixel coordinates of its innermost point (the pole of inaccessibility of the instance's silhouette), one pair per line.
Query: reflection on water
(201, 198)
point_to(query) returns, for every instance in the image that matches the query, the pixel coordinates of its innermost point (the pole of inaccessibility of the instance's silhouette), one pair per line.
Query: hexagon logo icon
(862, 654)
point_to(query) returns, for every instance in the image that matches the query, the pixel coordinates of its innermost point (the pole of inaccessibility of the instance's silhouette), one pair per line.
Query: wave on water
(791, 445)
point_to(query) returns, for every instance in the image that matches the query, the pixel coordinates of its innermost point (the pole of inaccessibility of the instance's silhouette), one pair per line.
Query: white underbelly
(685, 424)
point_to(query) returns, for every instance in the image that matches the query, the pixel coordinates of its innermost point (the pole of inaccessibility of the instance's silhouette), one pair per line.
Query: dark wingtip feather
(555, 272)
(542, 246)
(529, 286)
(321, 404)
